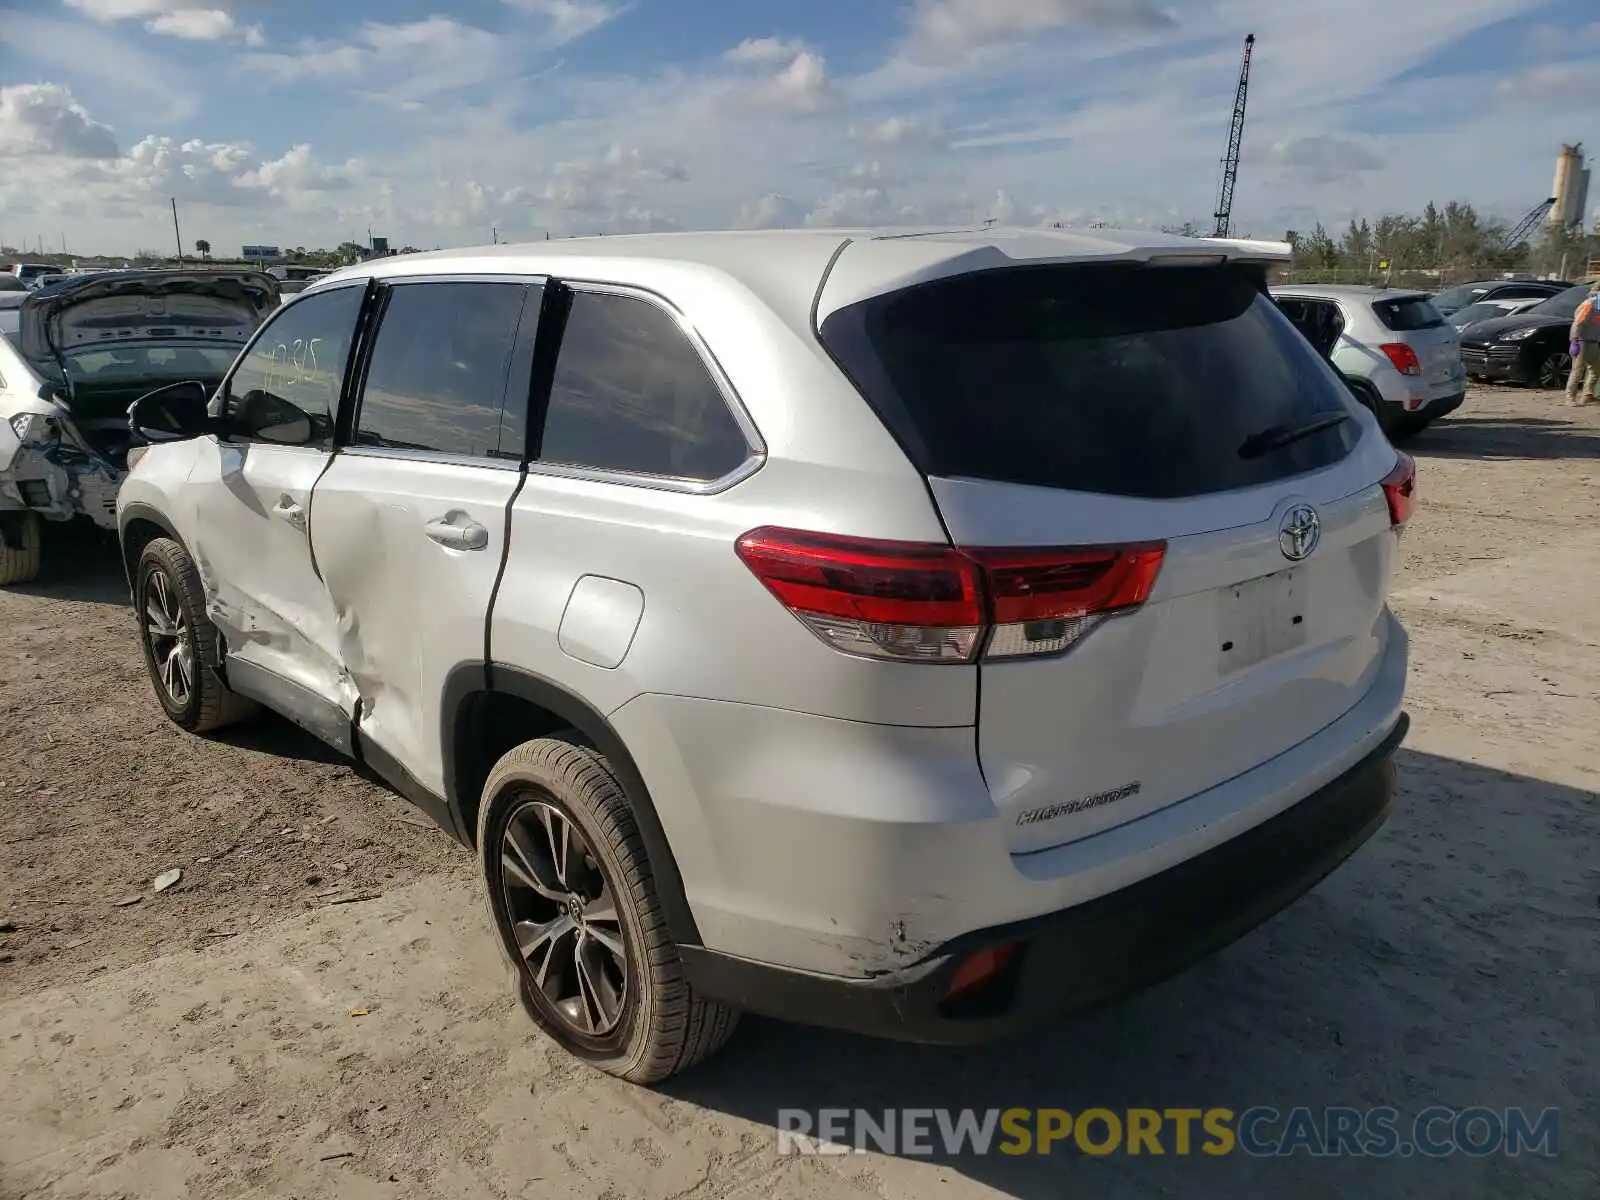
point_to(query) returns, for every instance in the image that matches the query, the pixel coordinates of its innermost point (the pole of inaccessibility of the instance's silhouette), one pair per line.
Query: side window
(631, 393)
(437, 377)
(299, 359)
(1295, 310)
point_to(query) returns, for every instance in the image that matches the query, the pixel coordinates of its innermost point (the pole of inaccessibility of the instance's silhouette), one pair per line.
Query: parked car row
(1453, 300)
(1408, 354)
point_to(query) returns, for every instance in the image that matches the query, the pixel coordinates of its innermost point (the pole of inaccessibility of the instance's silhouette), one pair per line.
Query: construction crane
(1230, 164)
(1534, 218)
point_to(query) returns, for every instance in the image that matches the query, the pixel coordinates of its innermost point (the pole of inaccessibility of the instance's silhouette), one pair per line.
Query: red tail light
(979, 969)
(1400, 489)
(1403, 357)
(929, 603)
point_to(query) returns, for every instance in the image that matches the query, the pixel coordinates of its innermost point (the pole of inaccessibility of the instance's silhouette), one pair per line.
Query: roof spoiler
(1253, 249)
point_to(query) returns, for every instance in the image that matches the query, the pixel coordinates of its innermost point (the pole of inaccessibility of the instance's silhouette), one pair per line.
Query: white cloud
(799, 84)
(98, 58)
(1572, 80)
(802, 85)
(767, 51)
(406, 63)
(44, 119)
(122, 10)
(772, 211)
(1021, 110)
(623, 179)
(571, 19)
(188, 20)
(1323, 158)
(895, 131)
(945, 30)
(296, 172)
(194, 24)
(853, 206)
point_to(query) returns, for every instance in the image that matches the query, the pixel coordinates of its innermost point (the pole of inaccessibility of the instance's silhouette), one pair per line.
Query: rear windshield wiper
(1275, 437)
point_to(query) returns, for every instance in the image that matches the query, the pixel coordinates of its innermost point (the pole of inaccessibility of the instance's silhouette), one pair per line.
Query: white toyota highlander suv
(913, 633)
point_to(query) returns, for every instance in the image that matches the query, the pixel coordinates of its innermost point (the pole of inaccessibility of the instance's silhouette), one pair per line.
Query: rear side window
(631, 393)
(1523, 291)
(1116, 379)
(1459, 297)
(437, 377)
(1407, 314)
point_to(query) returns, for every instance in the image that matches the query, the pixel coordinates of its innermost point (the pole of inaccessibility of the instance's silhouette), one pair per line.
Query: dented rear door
(409, 524)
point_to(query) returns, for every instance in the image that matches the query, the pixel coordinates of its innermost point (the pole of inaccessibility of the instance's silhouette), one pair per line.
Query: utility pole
(494, 235)
(175, 231)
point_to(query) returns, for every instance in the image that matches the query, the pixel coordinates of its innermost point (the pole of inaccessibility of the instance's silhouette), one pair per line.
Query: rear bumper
(1442, 407)
(1091, 953)
(35, 480)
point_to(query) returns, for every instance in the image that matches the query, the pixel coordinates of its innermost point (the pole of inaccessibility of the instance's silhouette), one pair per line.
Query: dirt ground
(316, 1008)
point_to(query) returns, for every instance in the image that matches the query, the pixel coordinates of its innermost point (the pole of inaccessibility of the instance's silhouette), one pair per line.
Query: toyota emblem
(1299, 532)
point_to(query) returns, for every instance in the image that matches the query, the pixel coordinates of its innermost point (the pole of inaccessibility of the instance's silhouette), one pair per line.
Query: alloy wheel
(564, 919)
(171, 642)
(1555, 369)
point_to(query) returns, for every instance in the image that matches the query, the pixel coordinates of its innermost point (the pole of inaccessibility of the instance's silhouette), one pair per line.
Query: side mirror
(172, 413)
(263, 417)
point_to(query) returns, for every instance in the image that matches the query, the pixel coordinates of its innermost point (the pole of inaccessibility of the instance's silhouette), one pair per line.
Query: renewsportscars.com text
(1260, 1131)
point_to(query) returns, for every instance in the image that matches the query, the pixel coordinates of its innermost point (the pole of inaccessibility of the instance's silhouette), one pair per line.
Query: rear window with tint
(1405, 315)
(1116, 379)
(1459, 297)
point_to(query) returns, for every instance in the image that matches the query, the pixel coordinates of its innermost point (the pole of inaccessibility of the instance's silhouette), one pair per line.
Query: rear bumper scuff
(1094, 952)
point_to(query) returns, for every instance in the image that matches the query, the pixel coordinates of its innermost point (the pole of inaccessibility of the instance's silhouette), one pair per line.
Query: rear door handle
(289, 512)
(458, 532)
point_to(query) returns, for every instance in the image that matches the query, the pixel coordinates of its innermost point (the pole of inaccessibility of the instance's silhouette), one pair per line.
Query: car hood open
(124, 307)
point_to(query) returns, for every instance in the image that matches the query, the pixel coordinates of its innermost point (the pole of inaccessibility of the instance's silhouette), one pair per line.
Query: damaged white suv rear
(919, 633)
(81, 351)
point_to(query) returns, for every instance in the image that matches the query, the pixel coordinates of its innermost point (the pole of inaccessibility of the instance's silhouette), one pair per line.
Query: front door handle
(458, 532)
(289, 512)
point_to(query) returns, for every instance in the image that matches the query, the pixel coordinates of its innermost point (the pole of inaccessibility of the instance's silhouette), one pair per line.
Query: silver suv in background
(1400, 357)
(919, 634)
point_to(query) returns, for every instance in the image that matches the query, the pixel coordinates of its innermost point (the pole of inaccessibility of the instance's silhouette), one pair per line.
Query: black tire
(1553, 370)
(1395, 422)
(20, 563)
(1410, 426)
(1363, 395)
(661, 1027)
(205, 703)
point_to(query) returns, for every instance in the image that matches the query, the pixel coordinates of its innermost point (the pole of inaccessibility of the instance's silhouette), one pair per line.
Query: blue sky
(306, 122)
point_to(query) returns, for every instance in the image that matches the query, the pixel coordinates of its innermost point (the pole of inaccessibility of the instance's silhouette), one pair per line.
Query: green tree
(1356, 247)
(1319, 250)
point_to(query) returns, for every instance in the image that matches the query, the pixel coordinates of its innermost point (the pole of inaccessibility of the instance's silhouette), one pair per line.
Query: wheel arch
(1364, 392)
(138, 525)
(488, 710)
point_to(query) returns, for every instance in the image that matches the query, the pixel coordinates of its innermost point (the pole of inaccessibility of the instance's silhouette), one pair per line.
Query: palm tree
(203, 248)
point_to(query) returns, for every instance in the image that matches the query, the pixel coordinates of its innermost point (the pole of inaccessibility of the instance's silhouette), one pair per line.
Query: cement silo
(1571, 187)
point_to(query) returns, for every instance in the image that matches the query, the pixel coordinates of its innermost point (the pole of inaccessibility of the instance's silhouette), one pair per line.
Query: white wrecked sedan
(73, 357)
